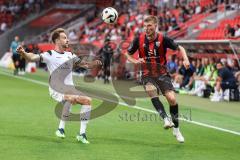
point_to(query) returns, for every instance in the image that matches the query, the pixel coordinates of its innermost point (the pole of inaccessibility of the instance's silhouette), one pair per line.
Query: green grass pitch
(28, 124)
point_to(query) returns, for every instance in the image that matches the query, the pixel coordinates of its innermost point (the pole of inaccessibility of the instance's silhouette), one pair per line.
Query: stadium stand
(54, 17)
(12, 12)
(174, 21)
(222, 30)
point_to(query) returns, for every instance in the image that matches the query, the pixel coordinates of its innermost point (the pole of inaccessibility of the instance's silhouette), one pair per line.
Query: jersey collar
(60, 52)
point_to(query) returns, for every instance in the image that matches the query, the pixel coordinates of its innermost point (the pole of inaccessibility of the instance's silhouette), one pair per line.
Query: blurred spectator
(175, 26)
(237, 76)
(198, 8)
(106, 53)
(171, 64)
(22, 63)
(229, 31)
(237, 31)
(187, 74)
(199, 68)
(15, 56)
(17, 10)
(225, 80)
(204, 77)
(191, 73)
(116, 62)
(232, 65)
(3, 27)
(178, 78)
(73, 37)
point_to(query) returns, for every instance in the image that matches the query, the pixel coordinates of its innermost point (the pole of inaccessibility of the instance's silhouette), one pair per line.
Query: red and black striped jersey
(154, 53)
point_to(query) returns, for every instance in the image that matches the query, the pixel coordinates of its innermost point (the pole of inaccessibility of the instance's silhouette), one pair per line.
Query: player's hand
(97, 63)
(85, 65)
(140, 60)
(71, 99)
(20, 50)
(186, 64)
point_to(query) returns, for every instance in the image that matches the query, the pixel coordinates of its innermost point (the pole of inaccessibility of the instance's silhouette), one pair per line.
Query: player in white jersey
(60, 62)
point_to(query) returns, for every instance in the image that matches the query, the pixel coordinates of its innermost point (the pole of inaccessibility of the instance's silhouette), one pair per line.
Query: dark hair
(219, 62)
(56, 34)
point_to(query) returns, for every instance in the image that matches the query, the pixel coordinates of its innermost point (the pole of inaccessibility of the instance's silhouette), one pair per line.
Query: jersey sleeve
(44, 57)
(74, 55)
(76, 60)
(169, 43)
(133, 46)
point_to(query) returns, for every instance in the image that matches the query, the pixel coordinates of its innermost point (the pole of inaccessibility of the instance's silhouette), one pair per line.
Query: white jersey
(54, 61)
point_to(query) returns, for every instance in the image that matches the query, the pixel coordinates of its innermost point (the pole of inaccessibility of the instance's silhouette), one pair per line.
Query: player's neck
(152, 37)
(59, 49)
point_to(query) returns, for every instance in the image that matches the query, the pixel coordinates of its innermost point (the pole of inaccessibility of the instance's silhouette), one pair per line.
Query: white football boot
(168, 123)
(178, 135)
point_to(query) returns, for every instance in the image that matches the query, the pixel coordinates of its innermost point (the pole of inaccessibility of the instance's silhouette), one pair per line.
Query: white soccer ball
(109, 15)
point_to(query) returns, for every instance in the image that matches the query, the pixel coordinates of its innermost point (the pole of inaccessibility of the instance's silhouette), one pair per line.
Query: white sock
(176, 129)
(65, 114)
(83, 127)
(84, 117)
(61, 124)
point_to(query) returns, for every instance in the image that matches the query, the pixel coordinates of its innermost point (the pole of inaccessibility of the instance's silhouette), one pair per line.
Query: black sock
(174, 115)
(159, 107)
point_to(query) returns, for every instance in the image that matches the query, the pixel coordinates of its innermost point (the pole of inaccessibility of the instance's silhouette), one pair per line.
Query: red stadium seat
(218, 32)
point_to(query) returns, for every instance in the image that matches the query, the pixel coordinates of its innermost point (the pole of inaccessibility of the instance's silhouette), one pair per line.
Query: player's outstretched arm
(28, 56)
(185, 57)
(94, 64)
(88, 65)
(133, 60)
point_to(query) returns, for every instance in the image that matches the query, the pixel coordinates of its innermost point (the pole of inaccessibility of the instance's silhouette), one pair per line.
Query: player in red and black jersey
(152, 47)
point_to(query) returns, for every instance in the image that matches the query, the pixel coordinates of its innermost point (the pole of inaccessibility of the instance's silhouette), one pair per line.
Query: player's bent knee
(150, 87)
(172, 102)
(88, 101)
(151, 91)
(84, 100)
(171, 98)
(152, 94)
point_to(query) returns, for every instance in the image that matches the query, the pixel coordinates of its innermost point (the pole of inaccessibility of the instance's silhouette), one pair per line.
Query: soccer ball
(109, 15)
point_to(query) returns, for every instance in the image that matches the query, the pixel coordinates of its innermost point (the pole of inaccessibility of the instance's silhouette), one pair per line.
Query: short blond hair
(151, 19)
(56, 34)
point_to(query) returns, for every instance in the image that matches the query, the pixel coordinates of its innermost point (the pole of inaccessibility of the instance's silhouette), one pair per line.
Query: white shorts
(59, 97)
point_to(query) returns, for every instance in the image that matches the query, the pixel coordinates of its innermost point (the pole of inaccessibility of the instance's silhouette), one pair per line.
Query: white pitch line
(24, 78)
(135, 107)
(213, 127)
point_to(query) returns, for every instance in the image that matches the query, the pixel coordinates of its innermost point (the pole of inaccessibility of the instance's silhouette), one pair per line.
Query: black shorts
(15, 58)
(163, 83)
